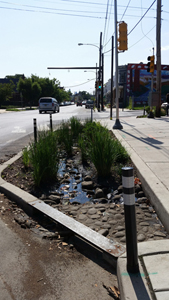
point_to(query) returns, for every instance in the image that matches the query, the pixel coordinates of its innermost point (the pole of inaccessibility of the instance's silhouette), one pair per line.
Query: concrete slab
(132, 286)
(162, 295)
(157, 267)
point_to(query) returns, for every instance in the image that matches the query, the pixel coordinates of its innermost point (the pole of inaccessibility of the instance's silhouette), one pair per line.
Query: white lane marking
(17, 129)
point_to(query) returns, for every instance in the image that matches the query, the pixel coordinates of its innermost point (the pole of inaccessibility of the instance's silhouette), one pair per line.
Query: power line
(79, 84)
(142, 17)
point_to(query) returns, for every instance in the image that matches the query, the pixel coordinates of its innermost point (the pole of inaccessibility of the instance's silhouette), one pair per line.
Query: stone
(99, 193)
(160, 234)
(87, 178)
(123, 239)
(144, 224)
(120, 234)
(141, 194)
(96, 216)
(141, 237)
(54, 198)
(142, 200)
(118, 216)
(120, 189)
(106, 226)
(92, 211)
(112, 222)
(98, 223)
(82, 217)
(87, 185)
(119, 228)
(103, 232)
(105, 219)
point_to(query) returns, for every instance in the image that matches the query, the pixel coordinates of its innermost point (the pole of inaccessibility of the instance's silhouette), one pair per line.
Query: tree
(6, 90)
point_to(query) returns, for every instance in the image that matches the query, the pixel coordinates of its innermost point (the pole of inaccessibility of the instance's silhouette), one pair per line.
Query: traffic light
(99, 85)
(150, 64)
(122, 36)
(95, 84)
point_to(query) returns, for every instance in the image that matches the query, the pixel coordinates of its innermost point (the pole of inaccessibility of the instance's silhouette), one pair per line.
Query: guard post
(51, 122)
(130, 219)
(35, 130)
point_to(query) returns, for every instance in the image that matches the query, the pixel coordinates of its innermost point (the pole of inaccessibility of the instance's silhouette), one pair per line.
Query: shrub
(65, 137)
(44, 157)
(26, 157)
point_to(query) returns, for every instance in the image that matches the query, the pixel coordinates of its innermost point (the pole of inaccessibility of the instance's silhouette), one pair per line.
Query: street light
(100, 69)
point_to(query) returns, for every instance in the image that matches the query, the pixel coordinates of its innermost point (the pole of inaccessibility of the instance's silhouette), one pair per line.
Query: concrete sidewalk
(147, 142)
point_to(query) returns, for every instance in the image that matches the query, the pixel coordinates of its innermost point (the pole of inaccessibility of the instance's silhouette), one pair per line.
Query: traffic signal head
(99, 85)
(122, 36)
(150, 64)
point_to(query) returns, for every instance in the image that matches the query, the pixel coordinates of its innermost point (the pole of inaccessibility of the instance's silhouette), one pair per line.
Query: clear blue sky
(38, 34)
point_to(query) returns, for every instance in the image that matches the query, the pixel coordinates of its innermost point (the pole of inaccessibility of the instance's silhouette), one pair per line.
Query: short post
(144, 111)
(51, 122)
(130, 219)
(35, 130)
(91, 114)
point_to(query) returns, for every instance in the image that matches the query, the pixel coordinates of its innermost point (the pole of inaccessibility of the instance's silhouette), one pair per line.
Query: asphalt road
(16, 128)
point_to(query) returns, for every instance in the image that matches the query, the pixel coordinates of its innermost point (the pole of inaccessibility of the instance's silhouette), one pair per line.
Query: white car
(48, 104)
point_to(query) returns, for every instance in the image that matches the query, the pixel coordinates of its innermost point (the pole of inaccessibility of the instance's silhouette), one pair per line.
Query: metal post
(102, 82)
(35, 130)
(117, 124)
(91, 114)
(100, 58)
(111, 95)
(130, 219)
(51, 122)
(158, 54)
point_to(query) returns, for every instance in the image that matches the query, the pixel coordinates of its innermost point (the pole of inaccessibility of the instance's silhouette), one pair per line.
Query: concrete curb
(111, 250)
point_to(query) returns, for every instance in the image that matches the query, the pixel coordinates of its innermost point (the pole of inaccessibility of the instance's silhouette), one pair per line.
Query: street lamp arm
(81, 44)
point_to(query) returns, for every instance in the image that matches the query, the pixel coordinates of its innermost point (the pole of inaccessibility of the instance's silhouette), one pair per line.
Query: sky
(38, 34)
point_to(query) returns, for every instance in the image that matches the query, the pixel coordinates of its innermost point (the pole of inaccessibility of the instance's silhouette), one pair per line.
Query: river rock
(99, 193)
(87, 185)
(87, 178)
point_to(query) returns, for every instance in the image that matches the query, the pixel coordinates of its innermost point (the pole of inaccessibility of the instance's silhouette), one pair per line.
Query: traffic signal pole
(158, 55)
(117, 124)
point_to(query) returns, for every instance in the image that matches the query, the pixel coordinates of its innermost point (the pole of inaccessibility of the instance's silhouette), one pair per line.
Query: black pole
(100, 57)
(111, 95)
(51, 122)
(130, 219)
(35, 130)
(102, 82)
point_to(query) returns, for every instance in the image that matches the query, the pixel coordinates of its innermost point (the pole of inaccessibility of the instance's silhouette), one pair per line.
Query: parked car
(79, 103)
(89, 104)
(84, 102)
(48, 104)
(164, 104)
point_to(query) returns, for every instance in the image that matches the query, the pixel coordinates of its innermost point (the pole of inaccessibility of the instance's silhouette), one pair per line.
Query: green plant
(26, 157)
(76, 127)
(65, 137)
(44, 157)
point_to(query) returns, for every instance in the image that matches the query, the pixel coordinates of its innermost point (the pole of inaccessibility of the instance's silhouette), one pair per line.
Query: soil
(63, 270)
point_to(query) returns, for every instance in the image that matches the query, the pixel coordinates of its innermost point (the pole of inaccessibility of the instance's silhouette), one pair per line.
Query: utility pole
(102, 82)
(158, 55)
(111, 94)
(100, 59)
(117, 124)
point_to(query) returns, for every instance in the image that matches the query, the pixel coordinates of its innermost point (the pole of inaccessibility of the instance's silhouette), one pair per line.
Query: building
(136, 83)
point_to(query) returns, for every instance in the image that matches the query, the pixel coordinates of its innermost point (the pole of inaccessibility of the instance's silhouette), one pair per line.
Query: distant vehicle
(164, 104)
(84, 102)
(79, 103)
(89, 104)
(48, 104)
